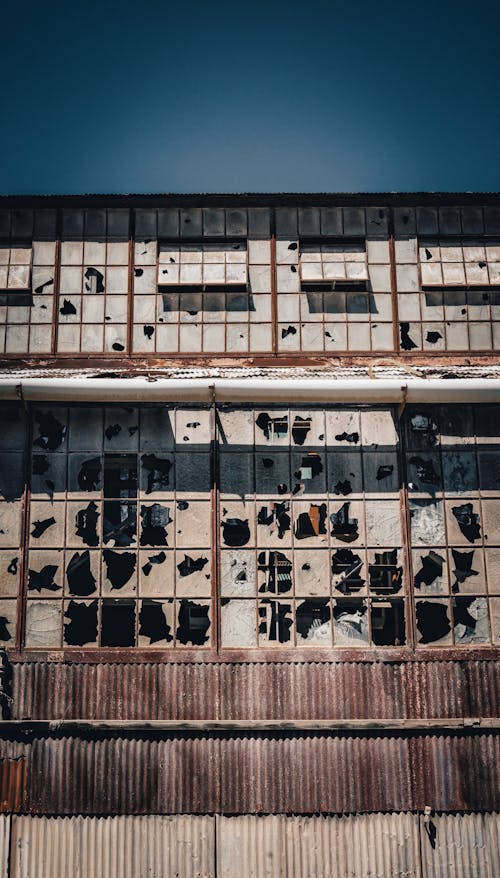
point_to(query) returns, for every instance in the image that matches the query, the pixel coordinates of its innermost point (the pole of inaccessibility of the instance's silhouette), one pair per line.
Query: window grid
(202, 296)
(456, 305)
(28, 253)
(266, 472)
(432, 320)
(334, 295)
(454, 498)
(93, 296)
(142, 555)
(251, 526)
(12, 499)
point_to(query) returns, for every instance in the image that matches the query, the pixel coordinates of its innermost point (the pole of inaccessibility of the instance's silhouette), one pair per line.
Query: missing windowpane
(120, 476)
(118, 623)
(194, 623)
(388, 623)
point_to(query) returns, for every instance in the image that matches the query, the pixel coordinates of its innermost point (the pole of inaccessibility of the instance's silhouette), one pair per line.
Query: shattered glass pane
(313, 622)
(350, 623)
(470, 620)
(275, 622)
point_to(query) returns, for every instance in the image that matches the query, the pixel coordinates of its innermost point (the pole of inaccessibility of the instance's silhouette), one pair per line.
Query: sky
(191, 97)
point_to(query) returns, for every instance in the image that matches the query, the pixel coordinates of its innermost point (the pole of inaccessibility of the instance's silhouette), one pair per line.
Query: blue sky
(195, 97)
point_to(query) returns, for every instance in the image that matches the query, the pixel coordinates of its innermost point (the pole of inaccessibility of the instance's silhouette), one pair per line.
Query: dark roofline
(254, 199)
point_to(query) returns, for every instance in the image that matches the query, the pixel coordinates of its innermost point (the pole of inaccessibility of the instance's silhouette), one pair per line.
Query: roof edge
(253, 199)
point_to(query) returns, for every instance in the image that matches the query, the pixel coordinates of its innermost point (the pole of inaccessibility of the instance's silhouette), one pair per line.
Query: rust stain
(13, 781)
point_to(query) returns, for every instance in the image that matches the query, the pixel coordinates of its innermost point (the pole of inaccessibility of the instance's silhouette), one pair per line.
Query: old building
(250, 536)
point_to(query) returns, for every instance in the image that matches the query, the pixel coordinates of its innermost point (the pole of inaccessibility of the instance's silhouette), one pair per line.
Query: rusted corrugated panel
(456, 772)
(115, 847)
(483, 683)
(314, 773)
(252, 690)
(12, 782)
(158, 691)
(56, 690)
(261, 772)
(124, 775)
(4, 845)
(435, 689)
(461, 846)
(312, 690)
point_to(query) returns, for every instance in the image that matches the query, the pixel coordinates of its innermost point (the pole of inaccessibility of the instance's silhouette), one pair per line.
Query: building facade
(250, 535)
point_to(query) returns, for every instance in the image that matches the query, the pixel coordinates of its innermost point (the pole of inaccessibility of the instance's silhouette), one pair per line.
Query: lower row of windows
(267, 622)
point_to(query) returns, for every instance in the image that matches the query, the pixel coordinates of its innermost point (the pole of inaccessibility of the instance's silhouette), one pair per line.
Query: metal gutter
(253, 390)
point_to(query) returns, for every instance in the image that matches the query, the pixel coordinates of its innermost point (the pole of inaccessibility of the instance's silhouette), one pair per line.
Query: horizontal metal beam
(258, 390)
(225, 725)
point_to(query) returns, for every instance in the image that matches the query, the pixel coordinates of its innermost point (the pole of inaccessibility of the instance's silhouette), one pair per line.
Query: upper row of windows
(443, 262)
(351, 290)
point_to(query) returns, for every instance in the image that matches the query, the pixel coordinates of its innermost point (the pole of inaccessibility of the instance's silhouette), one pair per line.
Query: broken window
(346, 571)
(276, 568)
(448, 293)
(81, 628)
(433, 622)
(385, 575)
(430, 572)
(194, 623)
(155, 622)
(313, 621)
(94, 278)
(202, 294)
(15, 267)
(275, 622)
(297, 556)
(387, 623)
(350, 623)
(115, 560)
(452, 532)
(120, 475)
(109, 565)
(333, 295)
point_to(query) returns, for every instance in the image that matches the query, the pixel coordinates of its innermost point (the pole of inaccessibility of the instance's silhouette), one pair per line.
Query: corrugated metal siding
(250, 847)
(4, 845)
(436, 689)
(394, 845)
(314, 773)
(456, 772)
(312, 690)
(118, 847)
(52, 690)
(378, 845)
(124, 776)
(261, 773)
(274, 690)
(483, 686)
(364, 846)
(464, 846)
